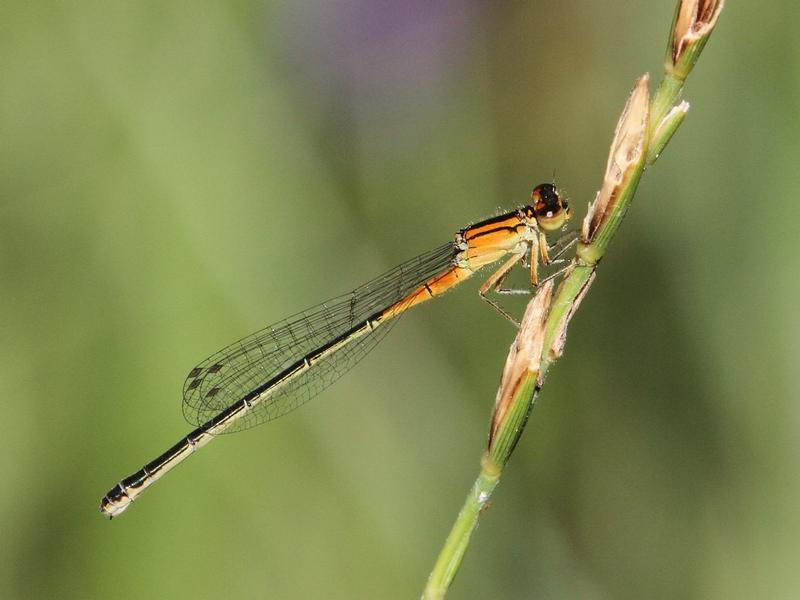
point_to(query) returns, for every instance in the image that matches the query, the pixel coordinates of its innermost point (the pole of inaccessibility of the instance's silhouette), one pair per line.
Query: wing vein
(240, 370)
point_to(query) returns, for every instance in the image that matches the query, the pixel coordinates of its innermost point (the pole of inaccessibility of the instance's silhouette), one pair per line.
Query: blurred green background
(176, 175)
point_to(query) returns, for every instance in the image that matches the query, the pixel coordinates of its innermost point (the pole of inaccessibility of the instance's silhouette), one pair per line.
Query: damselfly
(275, 370)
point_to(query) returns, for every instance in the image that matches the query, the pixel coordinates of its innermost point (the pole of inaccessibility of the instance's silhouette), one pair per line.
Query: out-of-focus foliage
(176, 175)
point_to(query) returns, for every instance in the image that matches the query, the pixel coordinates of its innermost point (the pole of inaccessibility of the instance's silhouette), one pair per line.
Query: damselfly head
(548, 207)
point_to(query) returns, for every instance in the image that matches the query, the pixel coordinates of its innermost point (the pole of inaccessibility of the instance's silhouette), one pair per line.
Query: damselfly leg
(537, 251)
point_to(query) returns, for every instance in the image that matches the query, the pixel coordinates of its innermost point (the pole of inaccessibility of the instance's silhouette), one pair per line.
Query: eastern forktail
(275, 370)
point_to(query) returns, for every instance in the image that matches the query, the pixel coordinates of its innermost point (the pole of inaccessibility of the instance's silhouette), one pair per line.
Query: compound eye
(550, 209)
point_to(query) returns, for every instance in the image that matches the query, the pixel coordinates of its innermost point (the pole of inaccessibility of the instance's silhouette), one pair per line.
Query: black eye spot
(548, 194)
(546, 200)
(551, 210)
